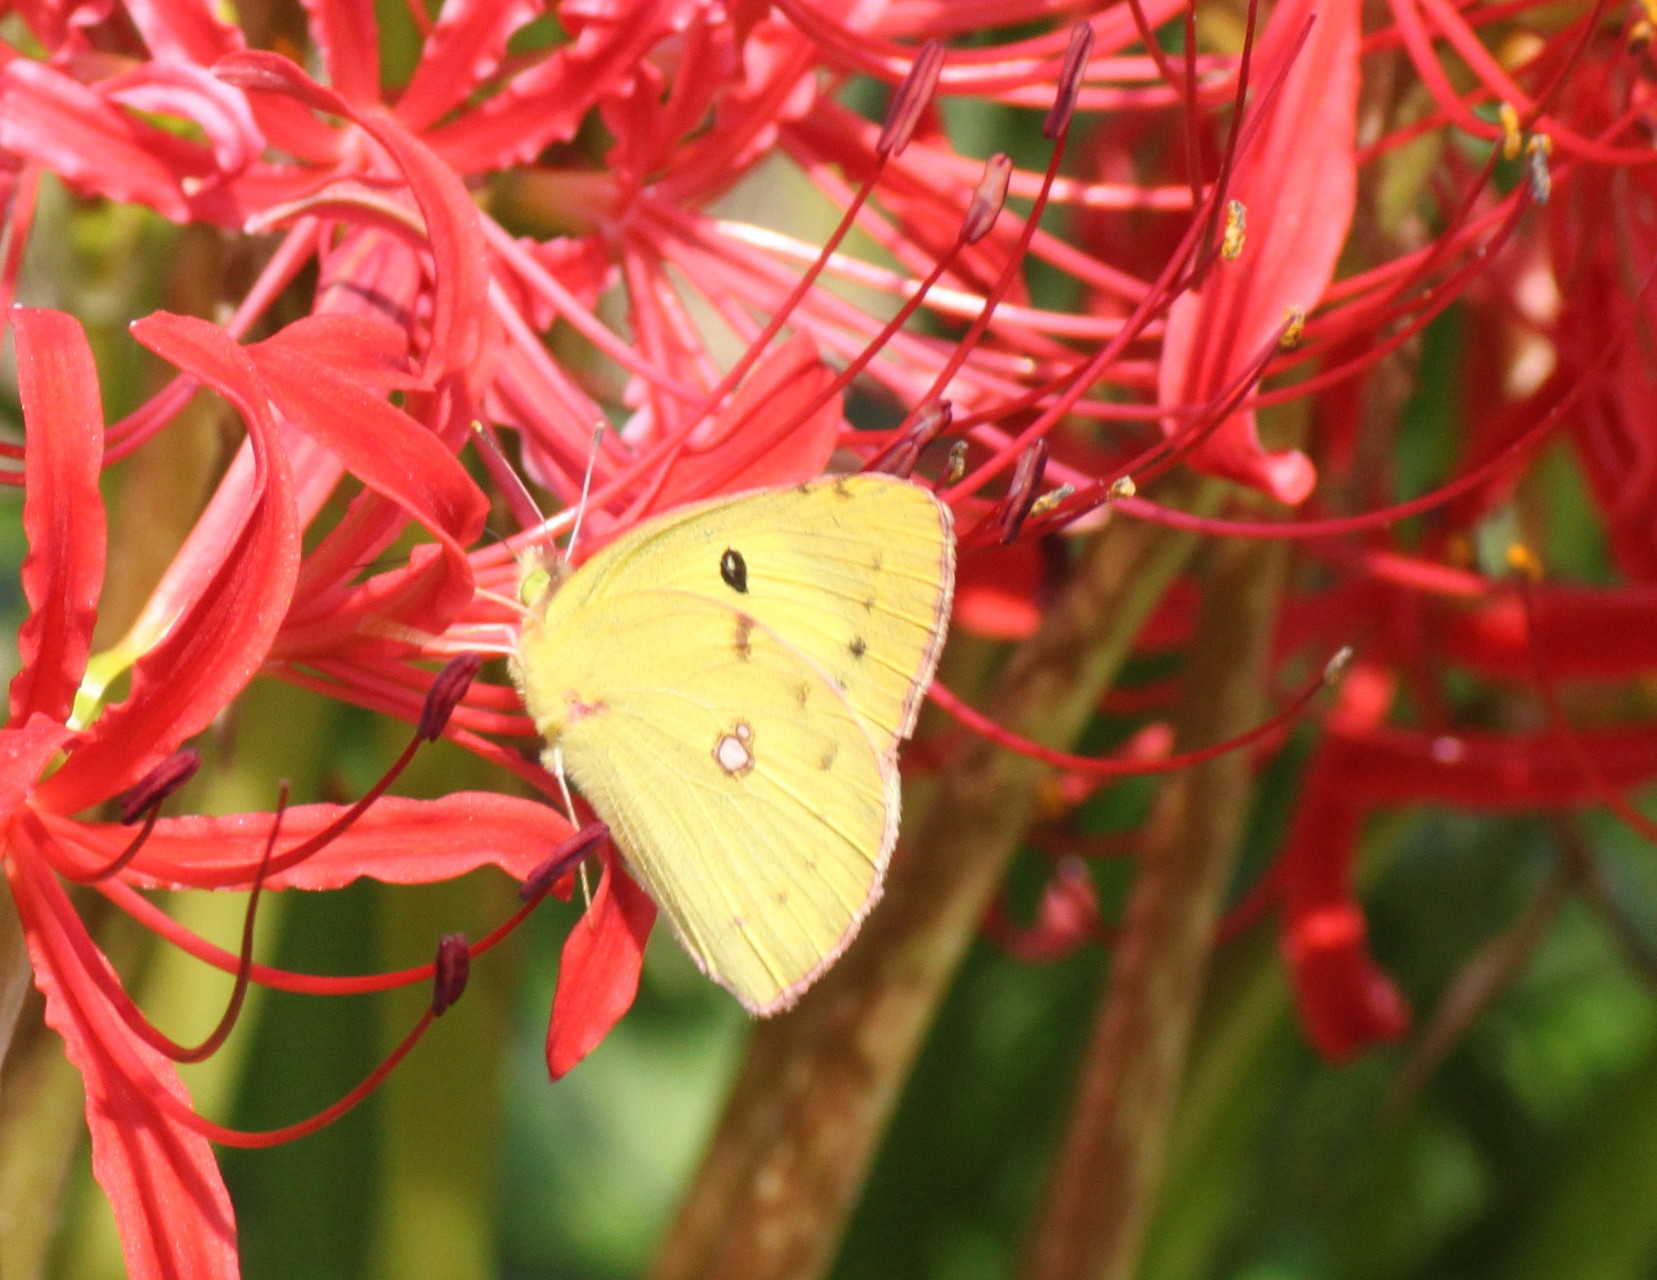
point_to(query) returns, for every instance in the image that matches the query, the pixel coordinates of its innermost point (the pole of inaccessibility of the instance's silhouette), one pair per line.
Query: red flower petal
(170, 1204)
(466, 46)
(399, 841)
(216, 645)
(461, 319)
(397, 458)
(371, 350)
(547, 102)
(1298, 182)
(390, 452)
(599, 974)
(347, 36)
(189, 93)
(25, 751)
(185, 30)
(756, 441)
(63, 512)
(999, 591)
(1346, 1003)
(94, 146)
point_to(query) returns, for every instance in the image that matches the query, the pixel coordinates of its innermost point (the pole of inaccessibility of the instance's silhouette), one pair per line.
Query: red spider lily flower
(1551, 312)
(476, 325)
(1549, 345)
(447, 305)
(154, 1162)
(694, 95)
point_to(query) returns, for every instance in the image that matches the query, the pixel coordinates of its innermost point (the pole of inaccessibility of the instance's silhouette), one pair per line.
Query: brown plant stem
(1104, 1183)
(818, 1085)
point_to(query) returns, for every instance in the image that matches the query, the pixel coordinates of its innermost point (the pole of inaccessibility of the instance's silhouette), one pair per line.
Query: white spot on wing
(733, 750)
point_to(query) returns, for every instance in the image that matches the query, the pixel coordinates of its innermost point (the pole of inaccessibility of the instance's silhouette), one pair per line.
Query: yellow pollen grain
(1521, 560)
(1294, 329)
(1236, 230)
(1512, 138)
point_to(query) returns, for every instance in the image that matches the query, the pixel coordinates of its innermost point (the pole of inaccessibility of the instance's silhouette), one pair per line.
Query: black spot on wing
(859, 646)
(744, 632)
(734, 570)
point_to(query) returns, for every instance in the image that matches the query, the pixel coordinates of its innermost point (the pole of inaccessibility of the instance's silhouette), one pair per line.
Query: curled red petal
(189, 93)
(63, 512)
(222, 636)
(1299, 184)
(171, 1208)
(93, 145)
(460, 343)
(396, 840)
(599, 974)
(1346, 1002)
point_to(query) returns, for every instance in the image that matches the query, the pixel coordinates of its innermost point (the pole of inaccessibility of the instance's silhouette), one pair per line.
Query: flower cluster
(1188, 300)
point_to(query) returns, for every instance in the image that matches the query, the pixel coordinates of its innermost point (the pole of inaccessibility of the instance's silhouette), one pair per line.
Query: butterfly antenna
(569, 811)
(563, 784)
(586, 890)
(586, 488)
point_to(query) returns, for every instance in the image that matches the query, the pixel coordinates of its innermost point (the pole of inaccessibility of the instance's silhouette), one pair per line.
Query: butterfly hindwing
(746, 797)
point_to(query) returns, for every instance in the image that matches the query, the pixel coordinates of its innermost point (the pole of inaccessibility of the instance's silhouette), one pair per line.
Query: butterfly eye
(734, 569)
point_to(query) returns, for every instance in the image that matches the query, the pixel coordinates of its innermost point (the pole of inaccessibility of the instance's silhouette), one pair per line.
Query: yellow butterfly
(727, 685)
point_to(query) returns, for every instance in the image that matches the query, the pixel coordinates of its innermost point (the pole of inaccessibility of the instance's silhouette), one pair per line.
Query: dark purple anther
(161, 781)
(1070, 81)
(912, 96)
(454, 966)
(1022, 492)
(562, 860)
(445, 694)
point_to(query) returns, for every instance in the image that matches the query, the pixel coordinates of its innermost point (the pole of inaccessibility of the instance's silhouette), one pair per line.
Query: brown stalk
(1104, 1183)
(818, 1085)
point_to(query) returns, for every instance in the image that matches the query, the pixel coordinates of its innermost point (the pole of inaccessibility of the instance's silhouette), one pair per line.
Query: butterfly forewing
(854, 572)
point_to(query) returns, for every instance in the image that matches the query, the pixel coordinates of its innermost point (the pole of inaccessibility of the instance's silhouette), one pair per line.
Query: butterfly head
(539, 578)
